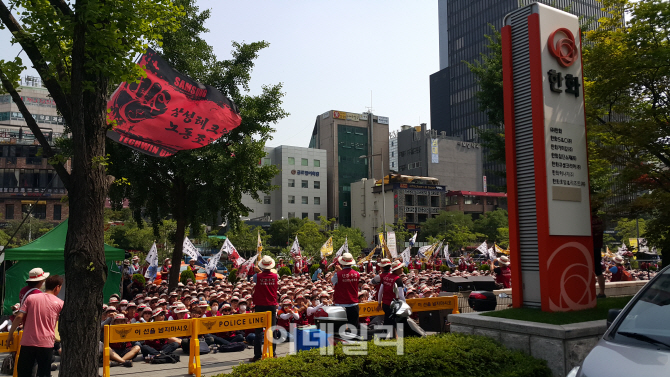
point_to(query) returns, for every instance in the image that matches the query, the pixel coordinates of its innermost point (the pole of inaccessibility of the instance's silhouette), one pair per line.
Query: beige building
(346, 137)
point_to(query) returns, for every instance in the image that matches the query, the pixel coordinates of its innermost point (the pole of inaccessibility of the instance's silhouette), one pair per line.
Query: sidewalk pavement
(211, 364)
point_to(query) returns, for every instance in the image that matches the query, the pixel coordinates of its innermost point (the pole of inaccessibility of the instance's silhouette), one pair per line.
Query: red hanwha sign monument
(547, 172)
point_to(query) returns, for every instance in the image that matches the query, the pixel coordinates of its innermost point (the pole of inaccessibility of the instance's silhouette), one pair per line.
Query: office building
(346, 137)
(462, 27)
(301, 182)
(456, 164)
(26, 178)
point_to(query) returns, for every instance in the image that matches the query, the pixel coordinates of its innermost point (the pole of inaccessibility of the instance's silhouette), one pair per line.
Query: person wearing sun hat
(618, 270)
(265, 298)
(391, 287)
(503, 271)
(345, 280)
(34, 283)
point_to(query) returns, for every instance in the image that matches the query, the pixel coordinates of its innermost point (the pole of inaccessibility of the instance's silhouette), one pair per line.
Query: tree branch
(39, 63)
(62, 6)
(32, 124)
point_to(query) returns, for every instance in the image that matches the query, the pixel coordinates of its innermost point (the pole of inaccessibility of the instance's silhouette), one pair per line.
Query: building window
(267, 161)
(39, 212)
(305, 215)
(57, 211)
(392, 164)
(291, 215)
(305, 184)
(9, 211)
(317, 200)
(267, 214)
(392, 153)
(409, 200)
(317, 163)
(423, 217)
(291, 183)
(434, 201)
(291, 160)
(305, 200)
(317, 184)
(409, 218)
(422, 200)
(316, 216)
(266, 200)
(304, 162)
(291, 199)
(403, 167)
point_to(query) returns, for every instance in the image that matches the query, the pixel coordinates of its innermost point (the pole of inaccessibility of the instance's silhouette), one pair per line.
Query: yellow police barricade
(15, 347)
(225, 324)
(143, 331)
(369, 309)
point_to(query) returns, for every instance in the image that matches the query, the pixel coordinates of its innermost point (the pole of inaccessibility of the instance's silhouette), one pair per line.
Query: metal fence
(463, 306)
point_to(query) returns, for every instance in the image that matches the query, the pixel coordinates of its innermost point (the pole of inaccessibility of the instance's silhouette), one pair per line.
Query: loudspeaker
(456, 284)
(483, 283)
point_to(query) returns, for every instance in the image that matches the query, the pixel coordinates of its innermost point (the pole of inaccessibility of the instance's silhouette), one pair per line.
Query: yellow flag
(327, 248)
(369, 256)
(382, 243)
(499, 249)
(259, 246)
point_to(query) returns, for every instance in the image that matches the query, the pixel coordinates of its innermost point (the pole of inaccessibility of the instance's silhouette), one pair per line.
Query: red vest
(346, 289)
(505, 277)
(388, 282)
(265, 292)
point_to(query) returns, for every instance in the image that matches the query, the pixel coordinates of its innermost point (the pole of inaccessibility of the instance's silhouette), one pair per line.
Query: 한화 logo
(564, 50)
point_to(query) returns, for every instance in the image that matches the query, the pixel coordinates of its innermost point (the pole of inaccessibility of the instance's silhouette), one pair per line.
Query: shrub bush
(185, 275)
(405, 270)
(313, 269)
(232, 276)
(436, 355)
(484, 267)
(634, 264)
(444, 268)
(356, 268)
(139, 278)
(284, 271)
(652, 268)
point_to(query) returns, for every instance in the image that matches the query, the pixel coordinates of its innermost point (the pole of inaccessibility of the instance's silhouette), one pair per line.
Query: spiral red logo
(565, 49)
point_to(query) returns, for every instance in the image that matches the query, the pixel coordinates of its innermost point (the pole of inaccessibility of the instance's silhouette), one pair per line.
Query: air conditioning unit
(344, 204)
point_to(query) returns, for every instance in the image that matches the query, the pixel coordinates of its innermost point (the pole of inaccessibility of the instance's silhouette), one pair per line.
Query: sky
(329, 55)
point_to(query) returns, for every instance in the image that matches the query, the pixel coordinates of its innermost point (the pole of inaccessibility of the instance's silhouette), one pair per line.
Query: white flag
(446, 251)
(492, 253)
(229, 249)
(343, 249)
(152, 259)
(213, 262)
(295, 249)
(406, 258)
(412, 240)
(483, 248)
(422, 251)
(391, 244)
(190, 250)
(244, 268)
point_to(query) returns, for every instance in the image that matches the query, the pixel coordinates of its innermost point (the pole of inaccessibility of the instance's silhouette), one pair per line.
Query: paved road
(212, 364)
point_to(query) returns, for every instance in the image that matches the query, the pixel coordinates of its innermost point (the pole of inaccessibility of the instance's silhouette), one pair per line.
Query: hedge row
(435, 355)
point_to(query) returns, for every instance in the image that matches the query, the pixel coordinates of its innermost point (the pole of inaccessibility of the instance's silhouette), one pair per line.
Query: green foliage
(356, 268)
(490, 223)
(405, 270)
(313, 269)
(139, 278)
(484, 267)
(282, 232)
(30, 230)
(284, 271)
(436, 355)
(444, 268)
(627, 229)
(245, 238)
(355, 237)
(311, 239)
(185, 275)
(455, 228)
(232, 276)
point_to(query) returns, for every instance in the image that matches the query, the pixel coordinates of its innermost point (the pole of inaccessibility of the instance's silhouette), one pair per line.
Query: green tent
(47, 252)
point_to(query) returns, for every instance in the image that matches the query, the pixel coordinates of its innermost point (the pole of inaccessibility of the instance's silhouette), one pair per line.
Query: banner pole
(191, 347)
(17, 338)
(105, 357)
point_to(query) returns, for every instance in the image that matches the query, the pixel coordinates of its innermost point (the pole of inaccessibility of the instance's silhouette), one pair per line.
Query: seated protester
(362, 298)
(203, 306)
(122, 353)
(214, 309)
(287, 315)
(242, 307)
(144, 316)
(154, 347)
(301, 305)
(131, 311)
(231, 336)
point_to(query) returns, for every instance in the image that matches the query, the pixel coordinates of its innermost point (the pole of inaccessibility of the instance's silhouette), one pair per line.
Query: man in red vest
(345, 282)
(265, 299)
(503, 272)
(391, 287)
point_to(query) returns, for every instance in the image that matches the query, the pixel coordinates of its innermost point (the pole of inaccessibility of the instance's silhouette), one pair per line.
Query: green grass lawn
(563, 318)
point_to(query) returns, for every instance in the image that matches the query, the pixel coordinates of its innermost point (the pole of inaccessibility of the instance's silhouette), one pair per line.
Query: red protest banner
(167, 111)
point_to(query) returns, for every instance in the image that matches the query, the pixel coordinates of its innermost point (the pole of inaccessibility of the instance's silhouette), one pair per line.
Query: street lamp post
(381, 157)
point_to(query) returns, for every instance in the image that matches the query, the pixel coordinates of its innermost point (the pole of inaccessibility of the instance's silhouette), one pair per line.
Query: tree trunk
(179, 214)
(85, 267)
